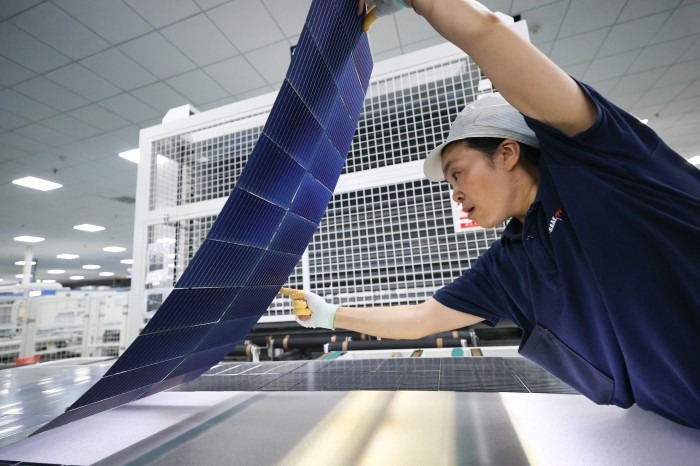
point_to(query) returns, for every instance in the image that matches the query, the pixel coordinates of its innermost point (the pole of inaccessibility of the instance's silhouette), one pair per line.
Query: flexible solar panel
(266, 224)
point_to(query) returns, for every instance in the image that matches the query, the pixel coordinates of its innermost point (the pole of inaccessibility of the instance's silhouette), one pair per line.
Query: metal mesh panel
(407, 115)
(200, 165)
(391, 245)
(383, 245)
(171, 246)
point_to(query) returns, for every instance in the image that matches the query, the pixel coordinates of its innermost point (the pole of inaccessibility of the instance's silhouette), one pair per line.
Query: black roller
(395, 344)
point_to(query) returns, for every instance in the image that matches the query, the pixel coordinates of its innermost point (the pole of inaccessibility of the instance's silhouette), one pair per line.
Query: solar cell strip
(266, 223)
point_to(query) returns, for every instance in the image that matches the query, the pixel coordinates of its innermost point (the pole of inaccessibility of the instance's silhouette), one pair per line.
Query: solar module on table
(266, 223)
(459, 374)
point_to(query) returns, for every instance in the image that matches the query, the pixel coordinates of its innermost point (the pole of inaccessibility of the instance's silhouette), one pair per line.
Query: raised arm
(528, 79)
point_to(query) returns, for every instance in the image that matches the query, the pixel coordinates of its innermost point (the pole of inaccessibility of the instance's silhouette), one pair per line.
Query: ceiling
(80, 78)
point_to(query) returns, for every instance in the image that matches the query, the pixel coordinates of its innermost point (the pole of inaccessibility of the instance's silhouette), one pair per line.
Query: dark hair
(488, 147)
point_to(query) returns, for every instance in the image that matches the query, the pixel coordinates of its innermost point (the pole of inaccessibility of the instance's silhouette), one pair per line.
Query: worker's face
(484, 188)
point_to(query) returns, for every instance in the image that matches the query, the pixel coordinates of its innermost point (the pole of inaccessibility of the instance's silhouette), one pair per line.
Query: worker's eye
(454, 175)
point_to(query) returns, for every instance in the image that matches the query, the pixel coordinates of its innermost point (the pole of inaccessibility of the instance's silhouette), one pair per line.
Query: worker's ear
(508, 154)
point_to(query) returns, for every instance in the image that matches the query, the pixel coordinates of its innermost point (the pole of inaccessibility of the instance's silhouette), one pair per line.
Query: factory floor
(407, 411)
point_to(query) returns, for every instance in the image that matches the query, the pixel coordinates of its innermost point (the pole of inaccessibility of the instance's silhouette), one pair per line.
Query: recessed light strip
(133, 155)
(114, 249)
(37, 183)
(88, 227)
(29, 239)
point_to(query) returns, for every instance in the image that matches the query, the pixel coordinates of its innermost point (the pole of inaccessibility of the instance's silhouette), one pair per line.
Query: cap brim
(432, 167)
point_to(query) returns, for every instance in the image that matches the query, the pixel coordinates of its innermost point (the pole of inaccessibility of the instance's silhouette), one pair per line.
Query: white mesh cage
(388, 236)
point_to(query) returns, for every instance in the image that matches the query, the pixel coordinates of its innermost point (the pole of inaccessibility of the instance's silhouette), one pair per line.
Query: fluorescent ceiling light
(114, 249)
(106, 274)
(55, 271)
(19, 275)
(88, 227)
(22, 263)
(127, 261)
(133, 155)
(695, 160)
(76, 277)
(48, 280)
(29, 239)
(67, 256)
(34, 293)
(37, 183)
(91, 267)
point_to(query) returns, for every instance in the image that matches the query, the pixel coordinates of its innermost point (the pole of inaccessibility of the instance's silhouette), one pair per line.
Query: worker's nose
(457, 197)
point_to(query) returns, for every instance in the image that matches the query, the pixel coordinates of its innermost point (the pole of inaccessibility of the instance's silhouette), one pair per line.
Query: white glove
(379, 8)
(322, 313)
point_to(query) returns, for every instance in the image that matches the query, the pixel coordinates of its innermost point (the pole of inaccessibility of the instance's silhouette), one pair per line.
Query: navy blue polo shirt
(604, 276)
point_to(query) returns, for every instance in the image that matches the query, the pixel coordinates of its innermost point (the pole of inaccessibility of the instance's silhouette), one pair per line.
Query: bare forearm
(403, 322)
(397, 322)
(528, 79)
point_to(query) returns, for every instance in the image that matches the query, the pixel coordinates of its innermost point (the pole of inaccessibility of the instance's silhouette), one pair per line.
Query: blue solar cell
(200, 362)
(332, 31)
(219, 264)
(311, 199)
(317, 89)
(274, 266)
(324, 25)
(228, 332)
(188, 307)
(158, 347)
(124, 382)
(362, 58)
(251, 302)
(166, 384)
(341, 129)
(293, 234)
(252, 220)
(296, 130)
(327, 163)
(75, 412)
(267, 165)
(266, 224)
(354, 96)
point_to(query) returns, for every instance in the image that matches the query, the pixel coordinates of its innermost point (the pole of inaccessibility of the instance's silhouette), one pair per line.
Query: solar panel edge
(198, 273)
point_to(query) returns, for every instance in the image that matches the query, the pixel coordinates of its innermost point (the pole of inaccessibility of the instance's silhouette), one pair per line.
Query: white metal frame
(248, 114)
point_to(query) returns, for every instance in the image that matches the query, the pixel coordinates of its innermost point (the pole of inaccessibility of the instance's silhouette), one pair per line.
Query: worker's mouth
(469, 211)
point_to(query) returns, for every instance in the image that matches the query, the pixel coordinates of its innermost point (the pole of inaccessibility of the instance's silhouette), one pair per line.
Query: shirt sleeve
(616, 137)
(475, 292)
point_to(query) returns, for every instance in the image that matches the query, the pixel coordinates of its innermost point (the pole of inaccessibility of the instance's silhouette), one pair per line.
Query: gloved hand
(322, 314)
(379, 8)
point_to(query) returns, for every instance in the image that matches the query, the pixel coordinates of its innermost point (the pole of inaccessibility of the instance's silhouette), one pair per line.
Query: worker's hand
(322, 314)
(379, 8)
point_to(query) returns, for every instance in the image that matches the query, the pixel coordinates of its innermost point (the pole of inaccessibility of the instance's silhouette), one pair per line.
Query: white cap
(487, 117)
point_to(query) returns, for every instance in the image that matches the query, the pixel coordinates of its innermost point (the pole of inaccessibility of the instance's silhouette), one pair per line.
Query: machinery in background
(47, 325)
(275, 342)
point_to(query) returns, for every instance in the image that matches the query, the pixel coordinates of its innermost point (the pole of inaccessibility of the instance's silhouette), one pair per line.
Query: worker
(599, 264)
